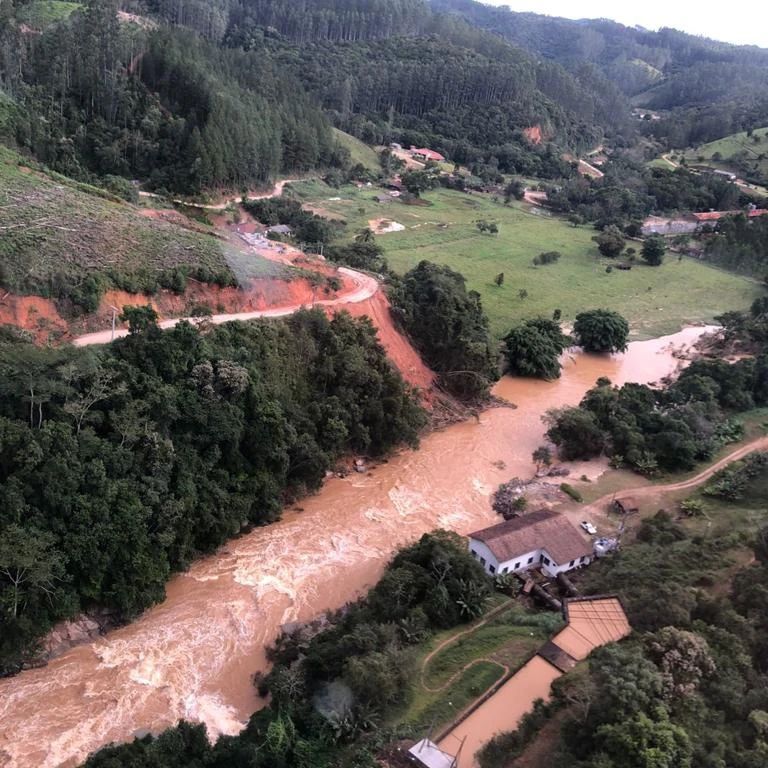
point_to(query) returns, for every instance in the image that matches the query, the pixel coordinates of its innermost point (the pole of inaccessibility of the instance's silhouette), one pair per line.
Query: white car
(588, 527)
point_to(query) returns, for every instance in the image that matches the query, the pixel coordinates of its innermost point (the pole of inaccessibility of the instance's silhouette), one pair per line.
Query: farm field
(754, 150)
(655, 300)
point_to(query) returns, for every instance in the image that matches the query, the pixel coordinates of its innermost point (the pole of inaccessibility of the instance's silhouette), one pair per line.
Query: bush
(548, 257)
(569, 490)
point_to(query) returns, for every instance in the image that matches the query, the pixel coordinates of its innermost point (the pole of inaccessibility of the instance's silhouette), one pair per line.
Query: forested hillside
(188, 96)
(191, 95)
(122, 465)
(719, 88)
(95, 97)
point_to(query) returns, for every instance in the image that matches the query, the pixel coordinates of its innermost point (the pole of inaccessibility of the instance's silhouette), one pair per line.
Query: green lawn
(359, 152)
(655, 300)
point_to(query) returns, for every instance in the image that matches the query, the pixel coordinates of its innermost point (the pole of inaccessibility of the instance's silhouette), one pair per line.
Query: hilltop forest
(122, 465)
(187, 95)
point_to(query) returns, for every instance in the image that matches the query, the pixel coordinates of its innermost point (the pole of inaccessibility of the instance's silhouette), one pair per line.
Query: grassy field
(61, 229)
(506, 641)
(41, 14)
(655, 300)
(359, 152)
(754, 150)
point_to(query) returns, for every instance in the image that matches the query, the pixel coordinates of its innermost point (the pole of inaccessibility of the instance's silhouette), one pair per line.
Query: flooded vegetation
(193, 656)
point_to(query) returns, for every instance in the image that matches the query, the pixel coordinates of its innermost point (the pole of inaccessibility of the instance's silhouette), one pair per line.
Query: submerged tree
(601, 330)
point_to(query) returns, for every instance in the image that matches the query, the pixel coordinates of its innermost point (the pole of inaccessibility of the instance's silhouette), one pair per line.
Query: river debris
(513, 497)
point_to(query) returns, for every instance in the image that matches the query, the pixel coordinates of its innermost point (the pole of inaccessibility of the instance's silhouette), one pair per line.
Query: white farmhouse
(542, 539)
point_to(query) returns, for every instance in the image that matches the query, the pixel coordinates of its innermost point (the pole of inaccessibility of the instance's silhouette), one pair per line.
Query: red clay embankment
(399, 349)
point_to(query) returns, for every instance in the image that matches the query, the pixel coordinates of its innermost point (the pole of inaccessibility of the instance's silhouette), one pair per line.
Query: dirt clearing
(384, 226)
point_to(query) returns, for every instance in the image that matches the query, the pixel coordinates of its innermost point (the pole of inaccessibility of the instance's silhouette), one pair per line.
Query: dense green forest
(629, 191)
(740, 244)
(710, 88)
(226, 94)
(233, 92)
(96, 97)
(670, 429)
(448, 326)
(121, 465)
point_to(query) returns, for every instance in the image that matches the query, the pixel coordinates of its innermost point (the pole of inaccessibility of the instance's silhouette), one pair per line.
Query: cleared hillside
(66, 240)
(359, 153)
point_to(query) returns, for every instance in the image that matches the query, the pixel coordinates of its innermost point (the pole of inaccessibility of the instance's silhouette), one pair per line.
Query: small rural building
(427, 754)
(426, 154)
(659, 225)
(625, 505)
(542, 539)
(280, 229)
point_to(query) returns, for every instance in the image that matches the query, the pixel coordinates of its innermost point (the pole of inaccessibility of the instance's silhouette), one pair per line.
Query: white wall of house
(487, 559)
(552, 568)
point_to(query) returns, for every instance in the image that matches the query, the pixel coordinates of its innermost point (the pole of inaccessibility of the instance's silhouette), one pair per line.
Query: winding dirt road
(276, 191)
(645, 491)
(364, 287)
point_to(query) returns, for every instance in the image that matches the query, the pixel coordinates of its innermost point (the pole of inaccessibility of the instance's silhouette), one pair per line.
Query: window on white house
(474, 554)
(505, 569)
(482, 561)
(545, 560)
(582, 559)
(492, 568)
(517, 565)
(530, 560)
(570, 565)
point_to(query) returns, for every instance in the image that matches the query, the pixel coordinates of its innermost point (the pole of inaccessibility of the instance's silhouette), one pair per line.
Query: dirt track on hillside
(649, 491)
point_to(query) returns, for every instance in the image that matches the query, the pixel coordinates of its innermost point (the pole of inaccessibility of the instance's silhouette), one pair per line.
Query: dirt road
(276, 191)
(646, 491)
(363, 287)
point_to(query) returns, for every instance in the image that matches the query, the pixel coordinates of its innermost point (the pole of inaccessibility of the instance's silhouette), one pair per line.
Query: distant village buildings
(692, 223)
(542, 539)
(424, 155)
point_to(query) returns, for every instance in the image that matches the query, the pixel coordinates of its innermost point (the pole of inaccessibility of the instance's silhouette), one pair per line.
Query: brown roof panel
(542, 529)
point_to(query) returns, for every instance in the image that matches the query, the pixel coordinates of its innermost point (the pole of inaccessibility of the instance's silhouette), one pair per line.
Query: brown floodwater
(193, 655)
(502, 711)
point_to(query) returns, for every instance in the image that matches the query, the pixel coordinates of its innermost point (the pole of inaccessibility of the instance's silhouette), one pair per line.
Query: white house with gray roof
(542, 539)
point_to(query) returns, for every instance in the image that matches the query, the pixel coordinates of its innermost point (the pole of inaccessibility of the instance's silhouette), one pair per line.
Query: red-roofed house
(426, 154)
(711, 217)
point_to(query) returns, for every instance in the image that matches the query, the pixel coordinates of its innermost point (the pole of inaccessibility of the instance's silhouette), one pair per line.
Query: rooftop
(542, 529)
(592, 621)
(429, 755)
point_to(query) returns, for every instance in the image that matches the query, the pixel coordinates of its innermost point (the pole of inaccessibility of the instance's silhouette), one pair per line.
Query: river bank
(193, 655)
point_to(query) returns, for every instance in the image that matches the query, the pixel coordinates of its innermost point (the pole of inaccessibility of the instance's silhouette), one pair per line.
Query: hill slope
(70, 242)
(667, 69)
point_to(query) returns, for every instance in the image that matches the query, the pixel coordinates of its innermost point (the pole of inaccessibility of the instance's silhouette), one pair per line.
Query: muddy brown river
(193, 655)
